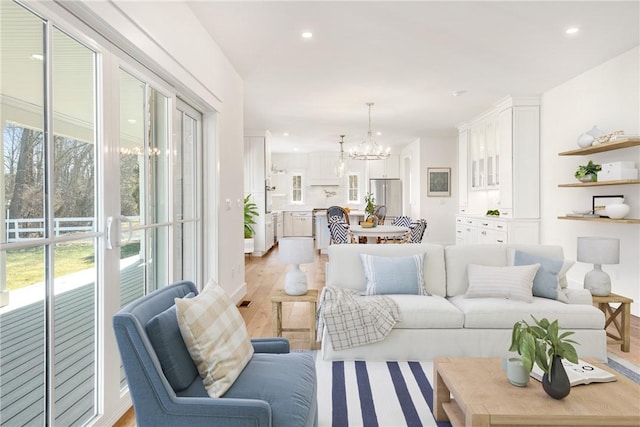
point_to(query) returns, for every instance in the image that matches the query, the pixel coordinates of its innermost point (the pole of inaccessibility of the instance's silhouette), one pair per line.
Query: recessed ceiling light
(572, 30)
(306, 35)
(378, 133)
(285, 134)
(37, 56)
(458, 92)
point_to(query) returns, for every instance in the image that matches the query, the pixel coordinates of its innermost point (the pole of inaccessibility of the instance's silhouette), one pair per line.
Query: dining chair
(417, 230)
(339, 232)
(380, 212)
(335, 212)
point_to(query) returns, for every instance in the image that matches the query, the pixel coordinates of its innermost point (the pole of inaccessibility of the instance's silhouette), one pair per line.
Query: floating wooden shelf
(600, 183)
(601, 148)
(622, 221)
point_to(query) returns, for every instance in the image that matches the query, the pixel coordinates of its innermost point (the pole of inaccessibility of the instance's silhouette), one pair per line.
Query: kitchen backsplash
(314, 197)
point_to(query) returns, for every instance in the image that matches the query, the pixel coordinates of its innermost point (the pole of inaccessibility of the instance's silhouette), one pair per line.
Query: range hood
(324, 182)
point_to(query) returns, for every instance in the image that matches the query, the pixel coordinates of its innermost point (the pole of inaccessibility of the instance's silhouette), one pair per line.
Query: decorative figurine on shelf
(588, 172)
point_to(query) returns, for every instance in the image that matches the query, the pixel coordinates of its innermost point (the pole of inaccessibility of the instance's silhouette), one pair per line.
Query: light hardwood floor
(266, 274)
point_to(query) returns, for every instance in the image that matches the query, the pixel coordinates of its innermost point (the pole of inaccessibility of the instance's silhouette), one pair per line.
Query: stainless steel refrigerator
(387, 192)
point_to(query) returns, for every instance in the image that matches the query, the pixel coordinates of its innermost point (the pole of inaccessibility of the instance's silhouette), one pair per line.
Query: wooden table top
(480, 385)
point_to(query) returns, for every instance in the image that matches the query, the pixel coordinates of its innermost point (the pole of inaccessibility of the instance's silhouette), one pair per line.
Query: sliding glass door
(48, 318)
(101, 205)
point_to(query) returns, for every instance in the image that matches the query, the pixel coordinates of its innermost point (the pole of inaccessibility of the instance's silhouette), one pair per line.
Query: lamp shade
(599, 250)
(295, 250)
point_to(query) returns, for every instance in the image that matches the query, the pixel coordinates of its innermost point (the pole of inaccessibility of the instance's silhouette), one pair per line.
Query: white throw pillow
(216, 336)
(501, 282)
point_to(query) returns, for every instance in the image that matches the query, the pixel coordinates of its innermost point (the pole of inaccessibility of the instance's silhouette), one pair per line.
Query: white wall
(441, 152)
(606, 96)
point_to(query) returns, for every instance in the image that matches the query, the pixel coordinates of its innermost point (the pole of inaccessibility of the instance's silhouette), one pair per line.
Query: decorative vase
(617, 210)
(589, 178)
(558, 386)
(595, 133)
(585, 140)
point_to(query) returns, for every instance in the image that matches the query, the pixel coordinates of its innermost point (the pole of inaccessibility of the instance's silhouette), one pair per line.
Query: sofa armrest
(578, 296)
(270, 345)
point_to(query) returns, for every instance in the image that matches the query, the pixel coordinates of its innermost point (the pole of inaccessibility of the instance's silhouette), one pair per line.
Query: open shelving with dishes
(601, 148)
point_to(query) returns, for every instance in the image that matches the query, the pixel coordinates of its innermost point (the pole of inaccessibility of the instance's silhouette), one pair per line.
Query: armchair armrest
(204, 411)
(270, 345)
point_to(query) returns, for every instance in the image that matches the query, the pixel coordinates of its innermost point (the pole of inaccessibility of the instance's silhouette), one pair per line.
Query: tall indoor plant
(250, 213)
(543, 344)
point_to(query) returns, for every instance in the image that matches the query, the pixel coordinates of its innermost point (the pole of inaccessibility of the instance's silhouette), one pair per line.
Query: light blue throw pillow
(394, 275)
(546, 284)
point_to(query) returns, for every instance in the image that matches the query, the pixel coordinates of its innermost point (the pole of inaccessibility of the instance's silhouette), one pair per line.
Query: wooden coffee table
(482, 396)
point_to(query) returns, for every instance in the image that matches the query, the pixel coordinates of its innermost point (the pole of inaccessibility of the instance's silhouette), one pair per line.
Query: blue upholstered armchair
(276, 388)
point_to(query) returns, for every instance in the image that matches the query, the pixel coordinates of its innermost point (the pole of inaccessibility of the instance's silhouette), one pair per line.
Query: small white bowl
(617, 210)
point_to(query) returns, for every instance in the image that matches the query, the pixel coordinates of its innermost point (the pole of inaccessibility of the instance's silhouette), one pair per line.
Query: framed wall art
(439, 182)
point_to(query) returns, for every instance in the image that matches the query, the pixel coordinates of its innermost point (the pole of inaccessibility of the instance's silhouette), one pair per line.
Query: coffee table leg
(441, 395)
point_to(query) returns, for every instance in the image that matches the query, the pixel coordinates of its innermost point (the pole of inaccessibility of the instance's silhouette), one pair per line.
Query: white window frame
(292, 200)
(348, 187)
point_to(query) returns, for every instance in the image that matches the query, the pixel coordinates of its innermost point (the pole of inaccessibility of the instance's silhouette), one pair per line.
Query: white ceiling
(407, 57)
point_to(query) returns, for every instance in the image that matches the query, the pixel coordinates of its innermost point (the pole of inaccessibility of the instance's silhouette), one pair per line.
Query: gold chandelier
(369, 149)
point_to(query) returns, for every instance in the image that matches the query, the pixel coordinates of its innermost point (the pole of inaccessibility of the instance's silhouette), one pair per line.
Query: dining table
(382, 231)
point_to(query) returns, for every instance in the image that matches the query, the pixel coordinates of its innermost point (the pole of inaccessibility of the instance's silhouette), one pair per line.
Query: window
(296, 187)
(353, 195)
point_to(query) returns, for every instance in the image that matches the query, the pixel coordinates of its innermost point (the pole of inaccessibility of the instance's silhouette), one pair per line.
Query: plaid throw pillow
(216, 336)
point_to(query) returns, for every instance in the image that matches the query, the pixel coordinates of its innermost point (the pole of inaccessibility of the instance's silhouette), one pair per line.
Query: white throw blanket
(352, 320)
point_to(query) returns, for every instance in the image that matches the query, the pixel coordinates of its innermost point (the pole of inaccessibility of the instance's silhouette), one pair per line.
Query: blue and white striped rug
(389, 394)
(384, 394)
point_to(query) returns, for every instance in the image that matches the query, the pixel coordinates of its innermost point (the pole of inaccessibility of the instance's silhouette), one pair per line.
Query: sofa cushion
(546, 284)
(458, 256)
(499, 313)
(394, 275)
(216, 336)
(286, 381)
(176, 363)
(501, 282)
(345, 270)
(419, 312)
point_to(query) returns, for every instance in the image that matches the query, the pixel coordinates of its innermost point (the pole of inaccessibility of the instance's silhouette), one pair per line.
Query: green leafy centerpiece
(543, 344)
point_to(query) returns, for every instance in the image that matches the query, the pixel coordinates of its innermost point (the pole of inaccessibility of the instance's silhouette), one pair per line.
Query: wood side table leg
(276, 318)
(312, 325)
(626, 327)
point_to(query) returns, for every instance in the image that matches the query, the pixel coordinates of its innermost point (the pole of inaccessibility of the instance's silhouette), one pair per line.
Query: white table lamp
(296, 251)
(598, 251)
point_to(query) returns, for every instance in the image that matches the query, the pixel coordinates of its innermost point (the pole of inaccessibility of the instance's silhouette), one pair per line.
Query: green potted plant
(250, 212)
(543, 344)
(370, 208)
(588, 172)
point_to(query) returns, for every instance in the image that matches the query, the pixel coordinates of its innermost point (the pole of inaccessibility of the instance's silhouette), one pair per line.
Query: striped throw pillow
(216, 336)
(501, 282)
(394, 275)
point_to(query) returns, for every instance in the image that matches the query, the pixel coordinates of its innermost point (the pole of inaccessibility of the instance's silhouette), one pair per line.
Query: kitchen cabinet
(298, 224)
(519, 158)
(279, 225)
(322, 169)
(472, 229)
(601, 148)
(257, 164)
(387, 168)
(463, 145)
(503, 159)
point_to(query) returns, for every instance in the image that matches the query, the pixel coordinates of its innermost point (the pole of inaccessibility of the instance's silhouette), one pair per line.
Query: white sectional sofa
(449, 324)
